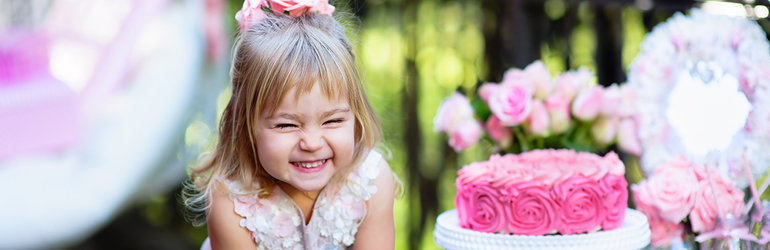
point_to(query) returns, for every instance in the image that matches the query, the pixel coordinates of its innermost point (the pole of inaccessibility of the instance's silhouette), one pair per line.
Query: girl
(294, 166)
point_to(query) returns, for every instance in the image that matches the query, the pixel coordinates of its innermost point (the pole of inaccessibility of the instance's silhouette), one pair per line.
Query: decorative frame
(740, 48)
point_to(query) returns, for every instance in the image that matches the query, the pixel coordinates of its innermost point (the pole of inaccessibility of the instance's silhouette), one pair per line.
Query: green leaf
(481, 109)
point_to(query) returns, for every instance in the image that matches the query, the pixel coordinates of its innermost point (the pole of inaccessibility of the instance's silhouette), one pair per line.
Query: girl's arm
(225, 231)
(378, 231)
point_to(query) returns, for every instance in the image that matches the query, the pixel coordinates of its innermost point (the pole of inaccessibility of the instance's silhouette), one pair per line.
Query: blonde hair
(270, 58)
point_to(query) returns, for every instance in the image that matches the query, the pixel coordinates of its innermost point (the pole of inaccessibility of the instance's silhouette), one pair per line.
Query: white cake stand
(634, 234)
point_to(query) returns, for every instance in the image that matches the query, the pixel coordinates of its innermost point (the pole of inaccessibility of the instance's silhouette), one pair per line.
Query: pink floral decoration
(628, 140)
(530, 209)
(558, 106)
(464, 135)
(587, 103)
(615, 201)
(704, 212)
(539, 119)
(498, 132)
(582, 205)
(672, 190)
(512, 104)
(253, 10)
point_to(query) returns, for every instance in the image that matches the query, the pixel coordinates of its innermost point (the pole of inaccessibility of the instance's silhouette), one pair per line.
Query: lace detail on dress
(276, 222)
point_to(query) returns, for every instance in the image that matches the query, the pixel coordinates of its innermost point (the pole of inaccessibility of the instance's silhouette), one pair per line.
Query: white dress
(277, 222)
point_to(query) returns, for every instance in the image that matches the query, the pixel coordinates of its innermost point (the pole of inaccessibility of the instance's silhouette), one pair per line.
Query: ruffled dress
(277, 222)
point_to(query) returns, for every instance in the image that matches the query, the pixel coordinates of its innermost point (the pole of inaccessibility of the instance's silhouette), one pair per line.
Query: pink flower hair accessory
(254, 11)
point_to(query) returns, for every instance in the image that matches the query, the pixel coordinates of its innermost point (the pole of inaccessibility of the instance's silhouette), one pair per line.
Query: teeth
(311, 164)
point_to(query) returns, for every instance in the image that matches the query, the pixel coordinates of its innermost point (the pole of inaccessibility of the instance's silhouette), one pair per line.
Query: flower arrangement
(681, 189)
(255, 10)
(543, 192)
(530, 110)
(702, 44)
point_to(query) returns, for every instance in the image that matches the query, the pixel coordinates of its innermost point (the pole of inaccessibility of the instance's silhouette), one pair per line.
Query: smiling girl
(294, 166)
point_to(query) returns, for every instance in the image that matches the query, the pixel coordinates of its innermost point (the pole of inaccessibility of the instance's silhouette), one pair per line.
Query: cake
(543, 192)
(554, 199)
(37, 111)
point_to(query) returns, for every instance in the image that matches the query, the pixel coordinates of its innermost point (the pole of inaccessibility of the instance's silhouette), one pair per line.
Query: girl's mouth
(310, 164)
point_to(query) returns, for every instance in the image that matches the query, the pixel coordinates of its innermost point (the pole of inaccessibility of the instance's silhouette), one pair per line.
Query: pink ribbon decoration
(741, 232)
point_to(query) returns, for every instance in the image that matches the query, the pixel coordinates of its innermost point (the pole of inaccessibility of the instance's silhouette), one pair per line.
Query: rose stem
(713, 192)
(762, 189)
(752, 185)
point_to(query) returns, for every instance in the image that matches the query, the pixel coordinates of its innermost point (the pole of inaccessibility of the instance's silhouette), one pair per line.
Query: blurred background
(129, 92)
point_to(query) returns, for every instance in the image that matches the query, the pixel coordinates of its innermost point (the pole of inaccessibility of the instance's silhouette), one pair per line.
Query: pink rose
(587, 103)
(615, 201)
(498, 132)
(538, 120)
(559, 116)
(483, 210)
(464, 135)
(664, 233)
(250, 14)
(604, 129)
(582, 204)
(530, 209)
(453, 111)
(487, 89)
(627, 106)
(611, 99)
(547, 174)
(568, 83)
(512, 104)
(628, 140)
(540, 78)
(704, 213)
(672, 190)
(299, 7)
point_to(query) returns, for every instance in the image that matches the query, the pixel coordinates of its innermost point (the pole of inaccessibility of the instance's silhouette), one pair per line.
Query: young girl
(294, 166)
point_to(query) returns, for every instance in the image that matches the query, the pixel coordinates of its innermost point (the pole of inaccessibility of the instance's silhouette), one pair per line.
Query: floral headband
(255, 10)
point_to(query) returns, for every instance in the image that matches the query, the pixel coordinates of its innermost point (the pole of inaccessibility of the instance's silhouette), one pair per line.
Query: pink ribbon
(740, 232)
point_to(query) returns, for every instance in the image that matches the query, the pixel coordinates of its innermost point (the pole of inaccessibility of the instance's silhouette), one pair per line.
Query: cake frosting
(543, 192)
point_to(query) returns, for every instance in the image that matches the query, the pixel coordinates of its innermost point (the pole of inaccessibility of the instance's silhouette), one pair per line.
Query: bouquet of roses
(682, 194)
(530, 110)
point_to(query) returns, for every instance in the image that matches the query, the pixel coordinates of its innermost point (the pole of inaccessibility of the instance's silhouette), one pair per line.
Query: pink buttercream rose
(453, 111)
(540, 78)
(464, 135)
(615, 201)
(587, 103)
(613, 163)
(477, 172)
(628, 140)
(538, 120)
(582, 204)
(487, 89)
(704, 212)
(511, 173)
(549, 173)
(499, 133)
(604, 129)
(485, 212)
(672, 190)
(590, 165)
(530, 209)
(512, 103)
(559, 116)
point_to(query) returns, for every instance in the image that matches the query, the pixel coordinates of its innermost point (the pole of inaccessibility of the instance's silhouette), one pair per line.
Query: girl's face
(307, 141)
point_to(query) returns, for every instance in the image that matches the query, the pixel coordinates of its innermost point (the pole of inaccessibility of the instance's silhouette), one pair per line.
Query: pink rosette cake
(543, 192)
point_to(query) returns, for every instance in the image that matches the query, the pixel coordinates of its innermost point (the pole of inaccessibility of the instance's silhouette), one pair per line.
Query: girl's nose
(312, 141)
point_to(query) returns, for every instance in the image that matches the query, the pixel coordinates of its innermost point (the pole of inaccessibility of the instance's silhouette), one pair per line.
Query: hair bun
(254, 11)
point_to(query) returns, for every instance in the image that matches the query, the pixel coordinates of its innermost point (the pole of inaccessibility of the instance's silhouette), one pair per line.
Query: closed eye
(285, 125)
(335, 121)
